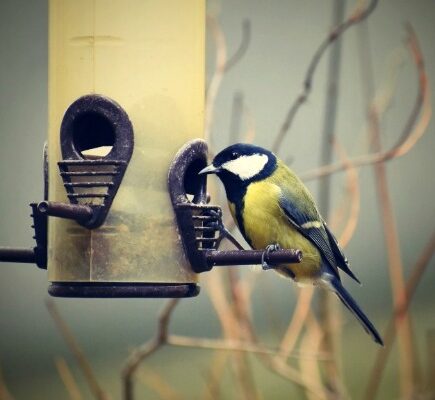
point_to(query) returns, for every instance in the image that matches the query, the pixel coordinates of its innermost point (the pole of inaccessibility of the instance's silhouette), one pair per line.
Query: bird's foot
(269, 249)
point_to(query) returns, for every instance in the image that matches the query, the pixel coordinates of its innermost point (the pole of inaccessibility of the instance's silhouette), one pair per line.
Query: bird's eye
(234, 155)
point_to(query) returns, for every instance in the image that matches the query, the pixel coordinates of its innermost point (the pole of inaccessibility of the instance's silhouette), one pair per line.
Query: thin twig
(243, 46)
(407, 355)
(297, 322)
(400, 310)
(225, 313)
(216, 79)
(238, 345)
(213, 377)
(291, 374)
(395, 267)
(216, 292)
(236, 117)
(357, 16)
(75, 349)
(148, 348)
(276, 365)
(222, 66)
(68, 379)
(353, 188)
(312, 340)
(329, 313)
(157, 384)
(241, 313)
(413, 130)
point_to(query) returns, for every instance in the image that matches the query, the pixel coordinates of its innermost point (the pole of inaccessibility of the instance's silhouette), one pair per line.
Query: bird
(273, 209)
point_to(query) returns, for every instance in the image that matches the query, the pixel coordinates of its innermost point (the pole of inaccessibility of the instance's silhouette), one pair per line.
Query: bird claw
(269, 249)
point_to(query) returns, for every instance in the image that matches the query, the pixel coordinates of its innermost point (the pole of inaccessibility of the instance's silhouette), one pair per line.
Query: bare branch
(400, 310)
(222, 66)
(243, 47)
(353, 188)
(407, 356)
(68, 379)
(241, 312)
(75, 349)
(237, 345)
(236, 114)
(216, 79)
(279, 367)
(329, 312)
(213, 377)
(297, 322)
(312, 340)
(148, 348)
(356, 17)
(414, 128)
(155, 382)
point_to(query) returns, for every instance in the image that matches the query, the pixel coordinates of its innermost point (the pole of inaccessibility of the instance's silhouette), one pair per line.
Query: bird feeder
(126, 93)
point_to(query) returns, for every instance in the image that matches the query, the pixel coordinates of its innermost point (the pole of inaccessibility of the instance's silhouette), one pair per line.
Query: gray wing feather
(317, 236)
(341, 259)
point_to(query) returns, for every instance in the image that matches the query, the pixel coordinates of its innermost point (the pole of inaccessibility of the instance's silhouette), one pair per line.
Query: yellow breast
(265, 223)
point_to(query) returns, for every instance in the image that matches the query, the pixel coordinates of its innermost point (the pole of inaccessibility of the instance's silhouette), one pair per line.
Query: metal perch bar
(9, 254)
(64, 210)
(248, 257)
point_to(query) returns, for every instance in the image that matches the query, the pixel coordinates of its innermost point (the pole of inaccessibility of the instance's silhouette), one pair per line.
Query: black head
(241, 164)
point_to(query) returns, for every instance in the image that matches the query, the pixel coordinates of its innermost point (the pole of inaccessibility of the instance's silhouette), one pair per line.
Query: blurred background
(266, 80)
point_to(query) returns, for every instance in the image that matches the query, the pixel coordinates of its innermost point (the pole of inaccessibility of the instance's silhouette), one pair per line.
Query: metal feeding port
(96, 143)
(200, 224)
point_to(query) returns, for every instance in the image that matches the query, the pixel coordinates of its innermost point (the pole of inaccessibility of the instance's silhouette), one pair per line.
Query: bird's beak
(209, 169)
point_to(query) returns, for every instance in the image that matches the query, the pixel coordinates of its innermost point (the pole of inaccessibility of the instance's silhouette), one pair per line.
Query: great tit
(272, 207)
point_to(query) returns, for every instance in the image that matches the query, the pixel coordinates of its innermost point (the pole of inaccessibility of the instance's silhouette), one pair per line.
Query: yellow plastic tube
(148, 56)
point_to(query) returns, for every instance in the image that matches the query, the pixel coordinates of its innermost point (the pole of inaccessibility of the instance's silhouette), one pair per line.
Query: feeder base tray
(122, 290)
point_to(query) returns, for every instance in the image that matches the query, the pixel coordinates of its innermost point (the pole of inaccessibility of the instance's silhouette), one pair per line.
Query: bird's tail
(351, 304)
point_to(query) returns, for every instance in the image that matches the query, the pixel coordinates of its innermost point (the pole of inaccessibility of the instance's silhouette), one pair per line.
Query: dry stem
(237, 345)
(216, 79)
(222, 66)
(213, 376)
(147, 348)
(297, 322)
(414, 128)
(356, 17)
(241, 313)
(243, 46)
(312, 340)
(406, 347)
(156, 383)
(329, 313)
(407, 355)
(75, 349)
(68, 379)
(355, 200)
(400, 310)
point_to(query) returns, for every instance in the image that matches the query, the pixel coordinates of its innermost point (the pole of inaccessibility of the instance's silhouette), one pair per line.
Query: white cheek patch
(245, 167)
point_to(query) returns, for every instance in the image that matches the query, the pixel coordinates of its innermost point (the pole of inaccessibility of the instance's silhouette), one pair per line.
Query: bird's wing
(341, 259)
(311, 226)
